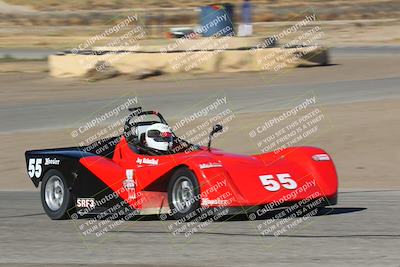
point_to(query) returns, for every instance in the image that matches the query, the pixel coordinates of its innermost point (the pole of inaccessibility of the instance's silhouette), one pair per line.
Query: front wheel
(55, 195)
(183, 193)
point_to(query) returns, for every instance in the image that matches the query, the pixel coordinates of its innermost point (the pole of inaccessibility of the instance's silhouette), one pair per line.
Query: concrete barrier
(128, 62)
(178, 45)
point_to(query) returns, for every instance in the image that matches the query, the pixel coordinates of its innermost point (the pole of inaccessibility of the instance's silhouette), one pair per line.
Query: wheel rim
(54, 193)
(183, 194)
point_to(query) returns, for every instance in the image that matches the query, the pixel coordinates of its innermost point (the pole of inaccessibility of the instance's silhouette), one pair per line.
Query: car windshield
(180, 145)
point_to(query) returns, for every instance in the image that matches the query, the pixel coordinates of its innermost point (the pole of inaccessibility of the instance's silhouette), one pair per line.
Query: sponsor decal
(210, 165)
(49, 161)
(129, 184)
(321, 157)
(207, 202)
(85, 203)
(147, 161)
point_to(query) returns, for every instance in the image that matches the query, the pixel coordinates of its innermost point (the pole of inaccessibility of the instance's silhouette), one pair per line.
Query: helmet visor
(160, 136)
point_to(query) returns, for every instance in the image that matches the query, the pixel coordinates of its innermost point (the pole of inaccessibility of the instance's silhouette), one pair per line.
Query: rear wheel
(55, 195)
(183, 193)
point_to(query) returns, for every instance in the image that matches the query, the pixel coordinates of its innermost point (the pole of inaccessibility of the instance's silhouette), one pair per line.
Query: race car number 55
(284, 179)
(35, 168)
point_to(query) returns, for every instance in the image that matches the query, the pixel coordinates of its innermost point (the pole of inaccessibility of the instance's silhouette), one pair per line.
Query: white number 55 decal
(35, 168)
(284, 179)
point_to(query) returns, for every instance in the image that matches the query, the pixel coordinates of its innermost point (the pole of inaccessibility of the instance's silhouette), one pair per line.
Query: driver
(159, 138)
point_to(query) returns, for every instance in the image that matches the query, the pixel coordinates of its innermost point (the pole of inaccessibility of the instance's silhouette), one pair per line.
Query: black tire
(183, 174)
(62, 206)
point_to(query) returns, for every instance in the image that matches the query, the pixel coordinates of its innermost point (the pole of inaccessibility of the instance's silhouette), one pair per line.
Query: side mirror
(216, 128)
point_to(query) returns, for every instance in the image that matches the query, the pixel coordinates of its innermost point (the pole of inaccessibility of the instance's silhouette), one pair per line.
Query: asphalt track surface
(361, 230)
(58, 115)
(242, 98)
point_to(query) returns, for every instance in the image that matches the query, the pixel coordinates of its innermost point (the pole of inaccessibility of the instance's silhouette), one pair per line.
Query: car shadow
(278, 214)
(326, 211)
(317, 65)
(244, 217)
(247, 215)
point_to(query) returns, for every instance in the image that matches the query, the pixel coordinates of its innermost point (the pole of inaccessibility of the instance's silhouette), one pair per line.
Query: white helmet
(159, 136)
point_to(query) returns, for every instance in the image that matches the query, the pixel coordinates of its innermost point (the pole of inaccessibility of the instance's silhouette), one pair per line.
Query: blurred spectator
(246, 28)
(246, 12)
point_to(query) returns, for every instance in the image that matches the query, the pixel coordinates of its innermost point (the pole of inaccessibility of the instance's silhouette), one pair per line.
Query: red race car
(152, 171)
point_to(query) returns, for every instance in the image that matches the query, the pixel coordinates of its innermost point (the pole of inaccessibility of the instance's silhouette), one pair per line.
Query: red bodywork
(224, 178)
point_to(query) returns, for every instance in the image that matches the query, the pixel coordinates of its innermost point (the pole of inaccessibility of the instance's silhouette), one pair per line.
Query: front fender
(216, 185)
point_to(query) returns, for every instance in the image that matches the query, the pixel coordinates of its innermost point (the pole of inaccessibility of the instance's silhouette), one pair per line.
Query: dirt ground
(336, 33)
